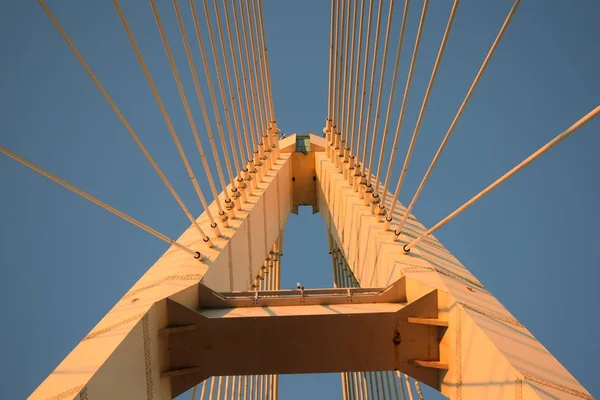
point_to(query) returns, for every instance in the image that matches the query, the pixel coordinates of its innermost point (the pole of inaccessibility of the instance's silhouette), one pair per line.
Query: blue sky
(64, 262)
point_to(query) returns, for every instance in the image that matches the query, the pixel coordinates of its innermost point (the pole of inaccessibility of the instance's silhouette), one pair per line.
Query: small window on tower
(302, 143)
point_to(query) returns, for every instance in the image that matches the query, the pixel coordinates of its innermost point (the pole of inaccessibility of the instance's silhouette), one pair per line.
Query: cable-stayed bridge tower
(210, 316)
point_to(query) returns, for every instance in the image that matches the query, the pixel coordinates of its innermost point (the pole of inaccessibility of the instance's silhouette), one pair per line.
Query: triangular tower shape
(419, 312)
(211, 307)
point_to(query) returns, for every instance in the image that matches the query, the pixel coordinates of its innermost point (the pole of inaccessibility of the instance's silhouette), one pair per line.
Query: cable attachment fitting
(224, 219)
(215, 229)
(367, 197)
(242, 188)
(229, 206)
(381, 212)
(387, 223)
(275, 149)
(251, 181)
(356, 178)
(259, 170)
(375, 200)
(266, 149)
(208, 242)
(235, 194)
(328, 124)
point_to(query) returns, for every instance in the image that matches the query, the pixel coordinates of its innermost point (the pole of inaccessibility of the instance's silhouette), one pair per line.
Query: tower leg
(490, 354)
(120, 358)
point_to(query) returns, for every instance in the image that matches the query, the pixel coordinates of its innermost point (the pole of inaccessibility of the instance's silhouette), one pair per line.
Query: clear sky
(64, 262)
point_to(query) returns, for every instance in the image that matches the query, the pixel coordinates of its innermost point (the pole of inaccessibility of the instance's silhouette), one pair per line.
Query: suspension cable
(387, 383)
(364, 80)
(344, 386)
(204, 112)
(236, 74)
(350, 61)
(379, 390)
(252, 51)
(394, 380)
(185, 106)
(212, 388)
(163, 110)
(235, 385)
(215, 107)
(456, 118)
(267, 69)
(408, 387)
(423, 107)
(329, 83)
(236, 123)
(419, 391)
(120, 115)
(226, 388)
(379, 94)
(260, 85)
(371, 389)
(245, 83)
(391, 99)
(203, 391)
(223, 98)
(334, 98)
(261, 65)
(356, 76)
(363, 393)
(371, 88)
(399, 380)
(585, 119)
(253, 93)
(340, 49)
(404, 101)
(339, 57)
(100, 203)
(336, 65)
(345, 75)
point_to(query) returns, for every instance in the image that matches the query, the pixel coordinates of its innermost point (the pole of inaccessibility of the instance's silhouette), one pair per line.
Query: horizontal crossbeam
(287, 332)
